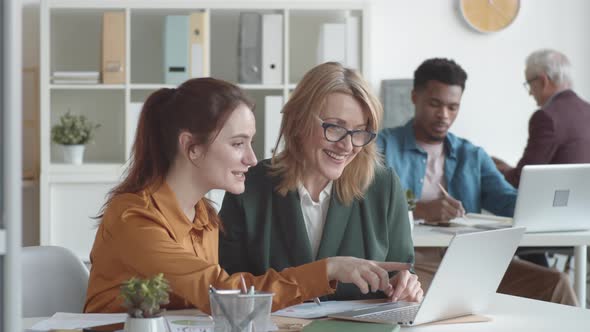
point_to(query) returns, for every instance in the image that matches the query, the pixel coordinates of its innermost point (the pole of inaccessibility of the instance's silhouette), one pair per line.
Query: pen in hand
(317, 301)
(449, 196)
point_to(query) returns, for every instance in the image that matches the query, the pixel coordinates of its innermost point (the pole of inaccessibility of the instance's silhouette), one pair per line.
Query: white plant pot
(73, 154)
(156, 324)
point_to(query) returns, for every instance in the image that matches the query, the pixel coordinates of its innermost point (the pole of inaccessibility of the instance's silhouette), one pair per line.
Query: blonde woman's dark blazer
(264, 229)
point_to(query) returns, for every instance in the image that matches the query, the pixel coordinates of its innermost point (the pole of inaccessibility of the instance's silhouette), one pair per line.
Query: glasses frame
(327, 125)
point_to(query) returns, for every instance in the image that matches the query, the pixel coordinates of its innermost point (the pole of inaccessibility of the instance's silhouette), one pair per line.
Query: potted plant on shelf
(143, 298)
(411, 200)
(72, 133)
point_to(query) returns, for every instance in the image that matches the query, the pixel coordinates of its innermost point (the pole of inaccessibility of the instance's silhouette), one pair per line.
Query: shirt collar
(324, 194)
(409, 143)
(167, 203)
(553, 97)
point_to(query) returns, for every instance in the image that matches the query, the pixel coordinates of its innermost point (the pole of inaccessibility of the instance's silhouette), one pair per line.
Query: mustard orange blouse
(147, 233)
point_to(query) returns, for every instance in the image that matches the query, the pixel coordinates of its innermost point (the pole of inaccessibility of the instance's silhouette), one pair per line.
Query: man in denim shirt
(451, 176)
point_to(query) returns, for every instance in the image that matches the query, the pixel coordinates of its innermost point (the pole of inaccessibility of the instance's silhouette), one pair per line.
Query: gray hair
(552, 63)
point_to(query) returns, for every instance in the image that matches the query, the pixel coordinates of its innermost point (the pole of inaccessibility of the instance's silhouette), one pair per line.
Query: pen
(447, 195)
(317, 301)
(443, 190)
(243, 284)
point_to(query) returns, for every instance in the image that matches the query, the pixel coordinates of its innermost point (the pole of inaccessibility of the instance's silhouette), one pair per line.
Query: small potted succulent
(72, 133)
(411, 200)
(143, 298)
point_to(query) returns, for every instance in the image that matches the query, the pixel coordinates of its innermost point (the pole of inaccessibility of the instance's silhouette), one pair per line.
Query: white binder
(132, 121)
(352, 42)
(176, 50)
(272, 49)
(272, 123)
(332, 43)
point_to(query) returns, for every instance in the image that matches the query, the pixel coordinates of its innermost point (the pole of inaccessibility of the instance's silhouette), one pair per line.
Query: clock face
(489, 15)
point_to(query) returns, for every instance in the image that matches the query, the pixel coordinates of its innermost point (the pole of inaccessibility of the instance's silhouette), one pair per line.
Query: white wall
(495, 108)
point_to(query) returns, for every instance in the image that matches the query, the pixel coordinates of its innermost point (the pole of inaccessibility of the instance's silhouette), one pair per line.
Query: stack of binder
(260, 48)
(186, 39)
(75, 77)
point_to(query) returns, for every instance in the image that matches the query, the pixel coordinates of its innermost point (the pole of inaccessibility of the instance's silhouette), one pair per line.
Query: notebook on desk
(468, 275)
(551, 198)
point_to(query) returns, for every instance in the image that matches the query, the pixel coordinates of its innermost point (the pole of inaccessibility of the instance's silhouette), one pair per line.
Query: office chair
(54, 280)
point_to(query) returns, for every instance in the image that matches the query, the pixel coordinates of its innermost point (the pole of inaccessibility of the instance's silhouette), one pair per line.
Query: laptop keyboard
(399, 315)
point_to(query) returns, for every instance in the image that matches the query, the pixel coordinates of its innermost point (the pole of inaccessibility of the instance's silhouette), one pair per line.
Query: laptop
(468, 275)
(551, 198)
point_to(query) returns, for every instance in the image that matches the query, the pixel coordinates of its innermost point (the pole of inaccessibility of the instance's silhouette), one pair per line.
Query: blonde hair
(300, 116)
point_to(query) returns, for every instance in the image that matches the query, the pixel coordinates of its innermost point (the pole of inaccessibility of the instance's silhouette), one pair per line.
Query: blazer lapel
(290, 221)
(337, 220)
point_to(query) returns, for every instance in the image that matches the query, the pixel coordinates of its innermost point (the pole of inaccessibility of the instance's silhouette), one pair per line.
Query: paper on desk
(473, 219)
(66, 320)
(311, 310)
(469, 223)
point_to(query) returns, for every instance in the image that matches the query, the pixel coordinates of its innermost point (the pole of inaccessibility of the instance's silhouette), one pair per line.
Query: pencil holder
(236, 312)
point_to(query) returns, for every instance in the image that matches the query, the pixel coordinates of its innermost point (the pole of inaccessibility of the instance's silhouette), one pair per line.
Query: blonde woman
(326, 193)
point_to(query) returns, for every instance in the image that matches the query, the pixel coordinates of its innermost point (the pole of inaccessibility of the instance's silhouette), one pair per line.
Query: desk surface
(508, 313)
(430, 236)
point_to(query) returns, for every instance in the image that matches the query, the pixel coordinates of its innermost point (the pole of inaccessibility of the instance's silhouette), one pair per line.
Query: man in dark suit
(558, 131)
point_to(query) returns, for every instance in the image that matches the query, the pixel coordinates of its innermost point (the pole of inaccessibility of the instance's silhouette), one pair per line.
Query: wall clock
(489, 15)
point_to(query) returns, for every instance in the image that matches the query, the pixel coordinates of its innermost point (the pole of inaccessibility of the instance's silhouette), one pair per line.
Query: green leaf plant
(73, 129)
(143, 297)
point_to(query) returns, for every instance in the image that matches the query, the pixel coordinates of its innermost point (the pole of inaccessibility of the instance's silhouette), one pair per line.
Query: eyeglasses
(527, 84)
(336, 133)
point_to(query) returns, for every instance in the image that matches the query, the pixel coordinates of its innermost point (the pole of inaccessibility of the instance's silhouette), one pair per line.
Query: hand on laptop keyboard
(406, 287)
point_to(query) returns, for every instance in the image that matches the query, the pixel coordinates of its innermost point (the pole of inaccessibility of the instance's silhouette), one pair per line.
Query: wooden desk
(508, 313)
(428, 236)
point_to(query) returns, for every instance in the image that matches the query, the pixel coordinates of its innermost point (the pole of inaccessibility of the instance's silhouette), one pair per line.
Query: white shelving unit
(70, 35)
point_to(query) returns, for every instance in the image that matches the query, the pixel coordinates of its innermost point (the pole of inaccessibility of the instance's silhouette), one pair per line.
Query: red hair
(200, 106)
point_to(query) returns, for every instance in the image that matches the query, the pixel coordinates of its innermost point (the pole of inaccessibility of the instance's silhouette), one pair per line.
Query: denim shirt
(470, 174)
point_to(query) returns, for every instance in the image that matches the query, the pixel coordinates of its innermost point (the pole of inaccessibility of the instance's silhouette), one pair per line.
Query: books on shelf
(132, 121)
(113, 48)
(250, 48)
(198, 41)
(272, 49)
(272, 123)
(260, 48)
(340, 42)
(75, 77)
(176, 49)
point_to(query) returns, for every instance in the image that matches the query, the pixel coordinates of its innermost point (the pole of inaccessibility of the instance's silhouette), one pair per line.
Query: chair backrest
(54, 280)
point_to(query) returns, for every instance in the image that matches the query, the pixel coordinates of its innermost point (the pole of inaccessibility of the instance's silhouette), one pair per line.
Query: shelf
(104, 107)
(2, 242)
(243, 86)
(71, 40)
(85, 173)
(57, 168)
(151, 86)
(261, 86)
(87, 86)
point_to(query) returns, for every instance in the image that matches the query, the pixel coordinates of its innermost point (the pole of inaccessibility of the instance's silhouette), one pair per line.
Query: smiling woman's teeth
(335, 156)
